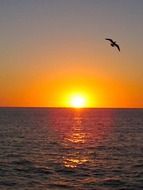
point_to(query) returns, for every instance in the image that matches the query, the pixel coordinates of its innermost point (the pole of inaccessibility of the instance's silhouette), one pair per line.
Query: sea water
(71, 149)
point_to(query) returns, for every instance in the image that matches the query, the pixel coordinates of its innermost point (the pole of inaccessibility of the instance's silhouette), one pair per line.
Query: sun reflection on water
(74, 162)
(76, 139)
(82, 134)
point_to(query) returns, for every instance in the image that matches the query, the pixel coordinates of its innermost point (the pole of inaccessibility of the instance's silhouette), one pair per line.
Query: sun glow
(78, 101)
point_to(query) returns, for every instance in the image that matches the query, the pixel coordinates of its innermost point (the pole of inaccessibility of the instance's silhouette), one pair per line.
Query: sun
(78, 101)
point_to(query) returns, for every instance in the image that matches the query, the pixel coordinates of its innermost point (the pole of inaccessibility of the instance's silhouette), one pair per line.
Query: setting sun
(78, 101)
(77, 98)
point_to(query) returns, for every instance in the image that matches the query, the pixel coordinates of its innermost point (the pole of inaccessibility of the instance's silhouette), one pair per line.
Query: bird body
(113, 43)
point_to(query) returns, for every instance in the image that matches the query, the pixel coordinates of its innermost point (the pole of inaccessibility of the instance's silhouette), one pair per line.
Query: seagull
(113, 43)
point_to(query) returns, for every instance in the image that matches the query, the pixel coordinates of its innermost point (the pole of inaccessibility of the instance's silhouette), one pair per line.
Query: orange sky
(50, 51)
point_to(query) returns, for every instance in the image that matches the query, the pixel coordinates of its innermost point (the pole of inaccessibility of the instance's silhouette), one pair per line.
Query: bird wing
(117, 46)
(109, 40)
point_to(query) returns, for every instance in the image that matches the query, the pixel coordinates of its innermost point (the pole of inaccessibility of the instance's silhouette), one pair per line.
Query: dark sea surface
(71, 149)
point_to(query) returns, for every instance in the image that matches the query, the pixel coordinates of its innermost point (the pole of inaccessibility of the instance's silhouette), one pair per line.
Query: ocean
(71, 149)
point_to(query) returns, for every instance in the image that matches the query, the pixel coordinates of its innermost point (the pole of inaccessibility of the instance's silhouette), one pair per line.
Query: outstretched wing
(117, 46)
(109, 40)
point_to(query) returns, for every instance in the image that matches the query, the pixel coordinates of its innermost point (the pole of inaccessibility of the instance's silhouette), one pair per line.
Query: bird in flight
(113, 43)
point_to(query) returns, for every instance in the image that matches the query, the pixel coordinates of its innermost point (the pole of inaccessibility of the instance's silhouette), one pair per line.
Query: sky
(52, 49)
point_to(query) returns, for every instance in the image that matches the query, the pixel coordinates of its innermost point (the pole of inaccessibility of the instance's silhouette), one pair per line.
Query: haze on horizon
(50, 49)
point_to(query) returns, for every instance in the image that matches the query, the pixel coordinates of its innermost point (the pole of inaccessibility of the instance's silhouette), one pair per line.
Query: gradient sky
(50, 49)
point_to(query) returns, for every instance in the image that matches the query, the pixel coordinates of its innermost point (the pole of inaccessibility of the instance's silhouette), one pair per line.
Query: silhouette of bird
(113, 43)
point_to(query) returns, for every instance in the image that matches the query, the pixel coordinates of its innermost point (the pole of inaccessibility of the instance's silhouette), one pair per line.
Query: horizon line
(56, 107)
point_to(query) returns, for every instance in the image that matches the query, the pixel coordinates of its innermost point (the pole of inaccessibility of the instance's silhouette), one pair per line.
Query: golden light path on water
(77, 137)
(83, 134)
